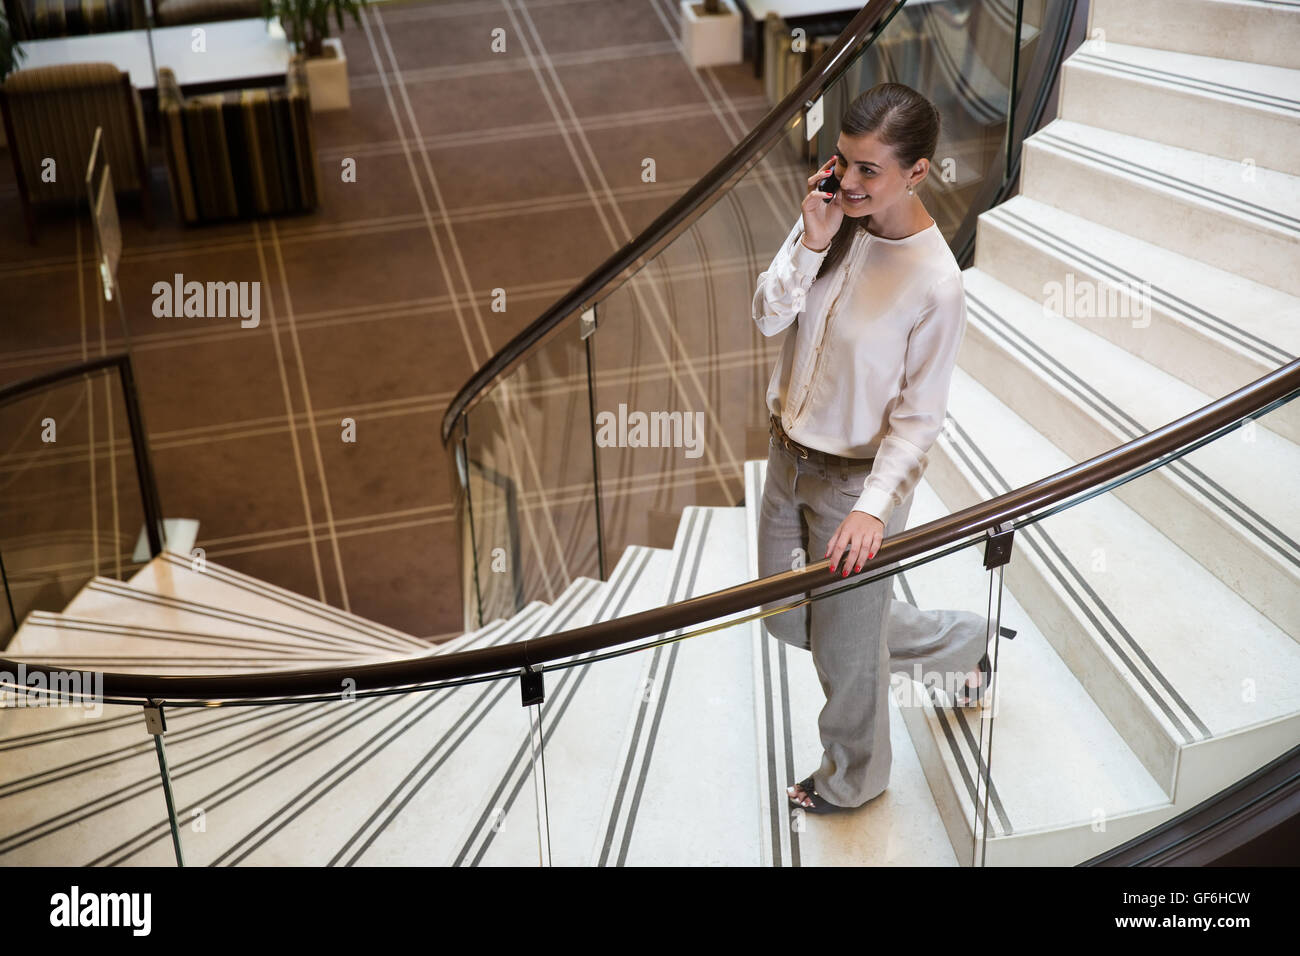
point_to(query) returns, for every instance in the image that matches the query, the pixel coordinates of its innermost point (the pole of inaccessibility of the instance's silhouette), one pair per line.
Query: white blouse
(867, 369)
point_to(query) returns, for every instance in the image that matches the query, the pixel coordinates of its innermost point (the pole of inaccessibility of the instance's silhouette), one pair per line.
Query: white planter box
(711, 40)
(327, 78)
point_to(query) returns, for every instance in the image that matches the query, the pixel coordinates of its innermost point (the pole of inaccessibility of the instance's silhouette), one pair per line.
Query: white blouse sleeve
(783, 288)
(918, 414)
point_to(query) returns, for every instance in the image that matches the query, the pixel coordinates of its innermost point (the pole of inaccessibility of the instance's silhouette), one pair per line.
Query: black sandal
(825, 806)
(976, 694)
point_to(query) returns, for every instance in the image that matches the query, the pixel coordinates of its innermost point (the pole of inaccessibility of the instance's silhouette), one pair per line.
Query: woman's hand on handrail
(858, 539)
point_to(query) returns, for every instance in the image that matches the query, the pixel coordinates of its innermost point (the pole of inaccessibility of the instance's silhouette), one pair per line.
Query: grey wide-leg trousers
(856, 638)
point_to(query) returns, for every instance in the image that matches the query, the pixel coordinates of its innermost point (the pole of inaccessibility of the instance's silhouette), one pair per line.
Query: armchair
(50, 115)
(239, 153)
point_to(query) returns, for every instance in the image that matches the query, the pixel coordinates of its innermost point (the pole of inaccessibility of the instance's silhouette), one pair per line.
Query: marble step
(902, 827)
(37, 742)
(1200, 685)
(82, 814)
(89, 645)
(585, 706)
(1238, 111)
(1201, 206)
(1060, 781)
(232, 774)
(928, 815)
(113, 601)
(1224, 503)
(68, 641)
(1213, 329)
(174, 575)
(397, 789)
(1259, 32)
(684, 771)
(113, 626)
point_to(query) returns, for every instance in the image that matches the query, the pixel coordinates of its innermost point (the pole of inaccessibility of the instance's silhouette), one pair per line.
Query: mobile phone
(831, 184)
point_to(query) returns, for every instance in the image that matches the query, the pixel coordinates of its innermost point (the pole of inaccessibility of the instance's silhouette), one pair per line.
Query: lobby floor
(476, 170)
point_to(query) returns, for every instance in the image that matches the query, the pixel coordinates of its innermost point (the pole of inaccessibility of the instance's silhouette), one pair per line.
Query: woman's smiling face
(868, 170)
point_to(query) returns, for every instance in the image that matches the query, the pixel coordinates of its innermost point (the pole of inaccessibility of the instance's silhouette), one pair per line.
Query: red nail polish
(857, 569)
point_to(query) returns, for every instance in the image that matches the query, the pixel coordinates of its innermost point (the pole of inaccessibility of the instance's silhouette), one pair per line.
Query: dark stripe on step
(781, 651)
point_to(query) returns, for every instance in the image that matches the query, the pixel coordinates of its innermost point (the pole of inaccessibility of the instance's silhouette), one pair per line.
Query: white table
(785, 9)
(235, 51)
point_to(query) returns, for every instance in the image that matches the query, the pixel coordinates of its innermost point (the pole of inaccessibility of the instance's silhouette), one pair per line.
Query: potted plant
(307, 27)
(711, 32)
(10, 54)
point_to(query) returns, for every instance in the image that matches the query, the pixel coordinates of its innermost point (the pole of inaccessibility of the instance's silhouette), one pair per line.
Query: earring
(909, 190)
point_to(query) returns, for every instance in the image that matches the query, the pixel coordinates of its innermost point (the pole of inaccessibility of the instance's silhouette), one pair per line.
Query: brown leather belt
(812, 454)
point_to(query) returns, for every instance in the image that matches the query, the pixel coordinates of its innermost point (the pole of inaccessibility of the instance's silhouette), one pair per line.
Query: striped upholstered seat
(40, 19)
(51, 113)
(239, 153)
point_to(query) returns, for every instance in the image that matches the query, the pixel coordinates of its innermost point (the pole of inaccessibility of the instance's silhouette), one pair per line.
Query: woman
(858, 396)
